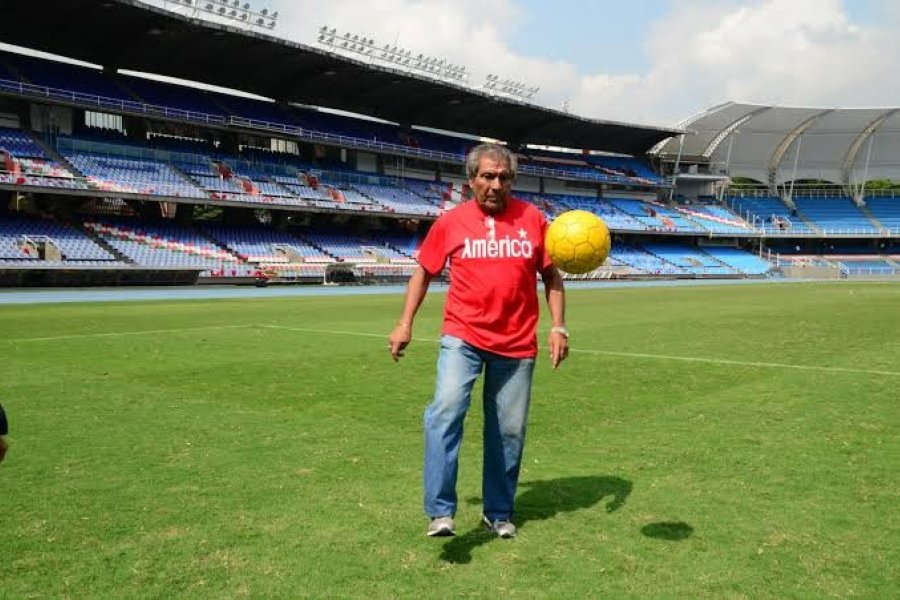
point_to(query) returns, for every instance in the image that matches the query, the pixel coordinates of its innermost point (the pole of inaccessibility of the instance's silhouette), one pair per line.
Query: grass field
(701, 442)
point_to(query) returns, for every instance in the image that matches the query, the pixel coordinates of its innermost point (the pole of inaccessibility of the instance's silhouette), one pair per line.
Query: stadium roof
(129, 34)
(777, 144)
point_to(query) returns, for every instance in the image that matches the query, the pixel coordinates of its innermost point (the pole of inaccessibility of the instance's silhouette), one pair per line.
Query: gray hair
(498, 152)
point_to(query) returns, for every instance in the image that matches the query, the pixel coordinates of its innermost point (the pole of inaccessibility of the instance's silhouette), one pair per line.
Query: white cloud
(702, 53)
(448, 29)
(791, 52)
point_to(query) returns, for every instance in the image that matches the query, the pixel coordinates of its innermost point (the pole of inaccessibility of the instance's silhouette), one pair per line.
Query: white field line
(78, 336)
(738, 363)
(693, 359)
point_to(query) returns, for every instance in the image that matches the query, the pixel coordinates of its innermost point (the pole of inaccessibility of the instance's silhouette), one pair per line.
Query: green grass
(679, 453)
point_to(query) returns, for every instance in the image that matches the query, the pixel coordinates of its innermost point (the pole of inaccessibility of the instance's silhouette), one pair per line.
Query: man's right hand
(399, 340)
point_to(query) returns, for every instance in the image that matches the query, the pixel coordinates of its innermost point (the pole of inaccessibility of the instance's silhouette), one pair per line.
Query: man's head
(491, 170)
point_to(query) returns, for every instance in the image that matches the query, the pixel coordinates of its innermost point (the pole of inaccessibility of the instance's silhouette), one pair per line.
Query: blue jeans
(507, 395)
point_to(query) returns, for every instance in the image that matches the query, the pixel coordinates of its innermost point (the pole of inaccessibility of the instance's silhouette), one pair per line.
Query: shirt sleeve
(543, 258)
(433, 251)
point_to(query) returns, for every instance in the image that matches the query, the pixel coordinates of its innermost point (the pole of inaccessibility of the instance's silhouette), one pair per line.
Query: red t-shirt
(492, 303)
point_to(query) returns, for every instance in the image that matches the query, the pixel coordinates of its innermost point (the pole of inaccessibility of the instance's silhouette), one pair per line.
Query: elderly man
(495, 247)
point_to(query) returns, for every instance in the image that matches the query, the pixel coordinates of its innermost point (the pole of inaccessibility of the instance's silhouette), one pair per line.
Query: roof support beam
(787, 142)
(732, 128)
(853, 152)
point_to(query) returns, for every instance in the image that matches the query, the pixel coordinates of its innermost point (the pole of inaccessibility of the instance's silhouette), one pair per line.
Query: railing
(185, 190)
(830, 232)
(871, 271)
(835, 192)
(749, 193)
(114, 150)
(28, 89)
(294, 131)
(763, 192)
(584, 176)
(882, 194)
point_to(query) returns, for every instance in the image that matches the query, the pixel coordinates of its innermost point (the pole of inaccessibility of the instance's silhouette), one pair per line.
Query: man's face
(492, 184)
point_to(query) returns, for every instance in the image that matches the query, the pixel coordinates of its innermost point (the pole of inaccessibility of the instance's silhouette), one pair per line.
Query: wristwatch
(561, 330)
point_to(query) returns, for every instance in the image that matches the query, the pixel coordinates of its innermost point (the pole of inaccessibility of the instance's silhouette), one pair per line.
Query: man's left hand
(559, 348)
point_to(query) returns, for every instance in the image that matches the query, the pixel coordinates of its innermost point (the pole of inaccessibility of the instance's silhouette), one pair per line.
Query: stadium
(725, 427)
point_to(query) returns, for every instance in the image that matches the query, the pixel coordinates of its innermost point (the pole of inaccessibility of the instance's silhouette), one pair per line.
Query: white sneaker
(441, 527)
(504, 529)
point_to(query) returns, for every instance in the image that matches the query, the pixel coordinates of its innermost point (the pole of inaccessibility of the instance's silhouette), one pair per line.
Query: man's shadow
(544, 500)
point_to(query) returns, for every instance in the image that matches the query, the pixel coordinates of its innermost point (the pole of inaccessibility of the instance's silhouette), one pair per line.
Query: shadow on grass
(542, 500)
(672, 531)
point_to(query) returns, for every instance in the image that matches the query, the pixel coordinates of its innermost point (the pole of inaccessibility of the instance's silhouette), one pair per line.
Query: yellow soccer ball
(578, 241)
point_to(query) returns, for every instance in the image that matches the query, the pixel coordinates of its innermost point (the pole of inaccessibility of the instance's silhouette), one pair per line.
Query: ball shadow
(672, 531)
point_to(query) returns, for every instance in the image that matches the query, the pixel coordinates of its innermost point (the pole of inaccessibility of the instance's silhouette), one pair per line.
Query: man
(495, 245)
(4, 429)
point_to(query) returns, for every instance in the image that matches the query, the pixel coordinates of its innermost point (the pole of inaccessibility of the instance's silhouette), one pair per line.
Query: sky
(655, 62)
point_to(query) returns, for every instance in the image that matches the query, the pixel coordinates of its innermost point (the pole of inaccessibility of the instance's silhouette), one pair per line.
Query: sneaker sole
(442, 532)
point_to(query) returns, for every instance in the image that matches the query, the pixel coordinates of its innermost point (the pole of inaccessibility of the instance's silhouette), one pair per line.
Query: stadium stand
(835, 215)
(739, 260)
(770, 214)
(238, 185)
(886, 211)
(67, 79)
(26, 239)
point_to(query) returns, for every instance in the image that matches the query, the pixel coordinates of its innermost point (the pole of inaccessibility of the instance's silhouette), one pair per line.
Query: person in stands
(495, 247)
(4, 430)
